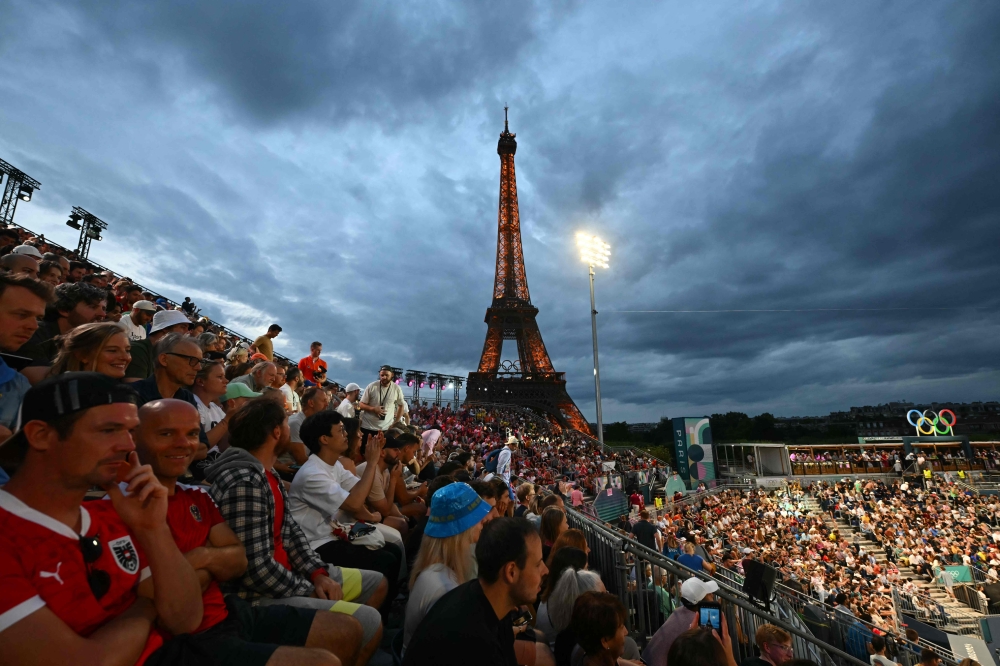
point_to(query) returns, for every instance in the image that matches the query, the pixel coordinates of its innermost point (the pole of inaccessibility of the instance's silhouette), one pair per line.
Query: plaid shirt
(245, 500)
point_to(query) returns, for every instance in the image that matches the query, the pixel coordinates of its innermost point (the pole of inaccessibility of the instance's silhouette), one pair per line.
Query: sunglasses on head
(99, 581)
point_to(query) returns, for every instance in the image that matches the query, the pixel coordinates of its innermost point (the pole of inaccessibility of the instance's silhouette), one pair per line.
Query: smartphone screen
(710, 617)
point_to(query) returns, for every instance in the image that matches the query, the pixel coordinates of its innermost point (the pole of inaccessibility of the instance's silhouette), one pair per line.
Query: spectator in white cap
(346, 407)
(19, 265)
(134, 322)
(164, 322)
(28, 250)
(693, 592)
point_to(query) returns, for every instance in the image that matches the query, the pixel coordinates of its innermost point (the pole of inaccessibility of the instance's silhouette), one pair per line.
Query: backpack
(491, 459)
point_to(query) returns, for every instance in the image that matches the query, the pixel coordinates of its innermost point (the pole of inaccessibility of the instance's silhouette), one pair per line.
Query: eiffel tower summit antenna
(530, 381)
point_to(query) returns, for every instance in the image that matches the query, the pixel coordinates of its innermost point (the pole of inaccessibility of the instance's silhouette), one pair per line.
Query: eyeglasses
(99, 581)
(784, 648)
(193, 361)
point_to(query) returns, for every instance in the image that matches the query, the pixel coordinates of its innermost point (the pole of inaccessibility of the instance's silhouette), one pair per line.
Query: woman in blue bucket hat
(447, 550)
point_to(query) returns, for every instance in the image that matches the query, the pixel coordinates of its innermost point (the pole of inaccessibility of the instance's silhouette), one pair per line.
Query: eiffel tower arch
(530, 381)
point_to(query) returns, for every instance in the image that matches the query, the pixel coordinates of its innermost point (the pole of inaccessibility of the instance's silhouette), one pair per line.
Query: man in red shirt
(310, 364)
(70, 571)
(167, 440)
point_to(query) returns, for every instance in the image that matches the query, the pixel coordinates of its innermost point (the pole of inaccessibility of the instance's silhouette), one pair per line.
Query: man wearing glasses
(775, 646)
(70, 573)
(177, 359)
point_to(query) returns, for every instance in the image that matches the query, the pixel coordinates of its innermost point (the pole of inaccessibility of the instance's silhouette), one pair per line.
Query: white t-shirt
(390, 397)
(292, 401)
(134, 332)
(317, 492)
(294, 424)
(433, 583)
(211, 414)
(346, 409)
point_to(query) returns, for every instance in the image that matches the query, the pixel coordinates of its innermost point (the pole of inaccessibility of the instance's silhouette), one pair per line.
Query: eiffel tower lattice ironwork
(530, 381)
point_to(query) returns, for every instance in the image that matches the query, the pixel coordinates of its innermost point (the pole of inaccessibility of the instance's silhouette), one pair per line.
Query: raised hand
(145, 506)
(373, 450)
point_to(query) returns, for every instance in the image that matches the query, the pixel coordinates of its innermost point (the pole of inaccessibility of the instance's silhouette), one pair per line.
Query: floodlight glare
(24, 194)
(593, 250)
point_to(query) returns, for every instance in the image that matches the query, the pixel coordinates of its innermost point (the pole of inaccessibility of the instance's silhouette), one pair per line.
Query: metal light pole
(595, 252)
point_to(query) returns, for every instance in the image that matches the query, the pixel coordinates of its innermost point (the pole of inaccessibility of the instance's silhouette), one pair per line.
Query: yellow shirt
(265, 347)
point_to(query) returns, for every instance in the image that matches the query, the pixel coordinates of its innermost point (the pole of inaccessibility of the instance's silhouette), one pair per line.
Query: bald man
(20, 265)
(167, 440)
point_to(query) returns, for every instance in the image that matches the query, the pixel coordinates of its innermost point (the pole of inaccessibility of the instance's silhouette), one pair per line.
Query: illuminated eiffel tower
(531, 381)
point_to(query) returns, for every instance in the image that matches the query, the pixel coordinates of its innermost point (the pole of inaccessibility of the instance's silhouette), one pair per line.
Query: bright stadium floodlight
(594, 252)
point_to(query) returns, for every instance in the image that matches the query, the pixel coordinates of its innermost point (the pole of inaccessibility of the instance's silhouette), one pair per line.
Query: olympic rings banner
(932, 421)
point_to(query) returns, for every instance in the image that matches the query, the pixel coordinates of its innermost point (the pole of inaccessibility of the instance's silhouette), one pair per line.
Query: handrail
(623, 562)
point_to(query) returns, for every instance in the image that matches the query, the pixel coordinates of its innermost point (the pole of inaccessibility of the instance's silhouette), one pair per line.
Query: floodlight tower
(20, 186)
(90, 227)
(455, 383)
(594, 252)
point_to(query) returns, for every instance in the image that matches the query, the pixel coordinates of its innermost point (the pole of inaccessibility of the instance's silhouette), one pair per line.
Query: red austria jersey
(41, 564)
(191, 515)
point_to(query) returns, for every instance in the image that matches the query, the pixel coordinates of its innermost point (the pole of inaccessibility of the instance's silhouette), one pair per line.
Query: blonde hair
(89, 339)
(454, 552)
(768, 633)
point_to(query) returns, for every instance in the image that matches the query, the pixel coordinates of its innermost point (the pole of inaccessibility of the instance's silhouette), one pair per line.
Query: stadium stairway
(962, 619)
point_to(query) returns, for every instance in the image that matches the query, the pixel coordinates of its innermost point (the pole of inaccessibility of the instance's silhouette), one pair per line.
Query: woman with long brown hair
(102, 347)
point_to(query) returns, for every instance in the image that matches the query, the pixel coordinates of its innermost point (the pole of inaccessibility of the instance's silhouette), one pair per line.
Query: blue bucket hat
(454, 509)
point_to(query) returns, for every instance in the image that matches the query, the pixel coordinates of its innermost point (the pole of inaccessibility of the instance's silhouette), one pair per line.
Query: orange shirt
(310, 365)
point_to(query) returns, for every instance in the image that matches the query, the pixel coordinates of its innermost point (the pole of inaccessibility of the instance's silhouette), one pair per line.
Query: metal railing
(646, 582)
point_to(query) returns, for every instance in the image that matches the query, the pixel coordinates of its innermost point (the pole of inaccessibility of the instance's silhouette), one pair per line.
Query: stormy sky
(332, 167)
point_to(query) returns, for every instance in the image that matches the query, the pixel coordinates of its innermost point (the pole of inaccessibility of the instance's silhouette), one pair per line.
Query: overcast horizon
(332, 167)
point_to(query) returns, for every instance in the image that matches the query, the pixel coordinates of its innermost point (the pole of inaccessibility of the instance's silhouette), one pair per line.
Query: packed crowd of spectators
(172, 494)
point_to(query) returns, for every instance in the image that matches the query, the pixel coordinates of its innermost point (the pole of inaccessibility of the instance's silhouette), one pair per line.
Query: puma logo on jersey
(52, 574)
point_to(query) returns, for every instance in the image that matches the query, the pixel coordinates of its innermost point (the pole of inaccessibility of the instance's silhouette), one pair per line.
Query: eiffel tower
(530, 381)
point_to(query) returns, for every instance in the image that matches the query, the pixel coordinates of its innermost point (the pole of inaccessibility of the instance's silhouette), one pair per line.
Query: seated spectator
(167, 440)
(313, 362)
(702, 646)
(290, 389)
(571, 538)
(22, 302)
(263, 345)
(347, 406)
(472, 624)
(102, 348)
(488, 492)
(775, 645)
(553, 524)
(77, 270)
(134, 321)
(19, 265)
(324, 495)
(313, 401)
(689, 559)
(261, 377)
(282, 568)
(410, 502)
(71, 591)
(525, 494)
(445, 560)
(693, 592)
(571, 584)
(74, 305)
(382, 496)
(598, 623)
(879, 658)
(560, 561)
(49, 271)
(353, 454)
(143, 362)
(178, 360)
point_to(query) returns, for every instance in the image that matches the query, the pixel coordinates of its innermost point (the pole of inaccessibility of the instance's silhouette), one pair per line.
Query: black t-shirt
(462, 628)
(520, 511)
(645, 533)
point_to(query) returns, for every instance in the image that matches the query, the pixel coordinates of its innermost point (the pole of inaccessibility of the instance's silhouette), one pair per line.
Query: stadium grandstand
(286, 493)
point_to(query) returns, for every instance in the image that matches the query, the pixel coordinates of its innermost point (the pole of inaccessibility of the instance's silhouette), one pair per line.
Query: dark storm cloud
(334, 166)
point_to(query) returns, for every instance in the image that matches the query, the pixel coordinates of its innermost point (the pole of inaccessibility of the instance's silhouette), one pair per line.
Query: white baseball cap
(351, 387)
(29, 250)
(747, 551)
(167, 318)
(145, 305)
(694, 590)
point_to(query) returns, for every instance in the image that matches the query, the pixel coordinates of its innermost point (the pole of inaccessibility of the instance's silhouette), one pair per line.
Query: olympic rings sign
(932, 421)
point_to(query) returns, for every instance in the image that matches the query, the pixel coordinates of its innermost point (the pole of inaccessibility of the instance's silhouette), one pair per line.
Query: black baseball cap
(387, 367)
(59, 396)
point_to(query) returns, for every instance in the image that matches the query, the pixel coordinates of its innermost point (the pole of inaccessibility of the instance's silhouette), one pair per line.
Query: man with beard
(282, 568)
